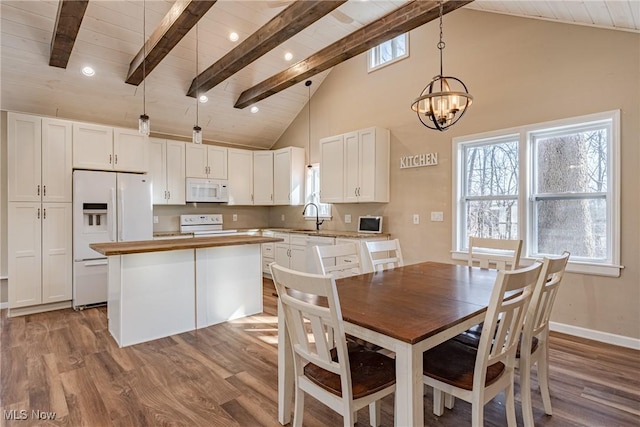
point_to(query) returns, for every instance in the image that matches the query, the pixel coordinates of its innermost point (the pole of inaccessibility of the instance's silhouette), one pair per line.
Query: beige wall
(520, 71)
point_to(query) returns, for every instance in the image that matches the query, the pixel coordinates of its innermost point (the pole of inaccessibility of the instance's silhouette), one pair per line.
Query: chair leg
(525, 392)
(374, 413)
(543, 379)
(477, 413)
(438, 402)
(298, 411)
(449, 400)
(510, 405)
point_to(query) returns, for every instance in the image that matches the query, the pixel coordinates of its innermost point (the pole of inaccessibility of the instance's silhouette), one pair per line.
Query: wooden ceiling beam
(401, 20)
(295, 18)
(65, 31)
(182, 17)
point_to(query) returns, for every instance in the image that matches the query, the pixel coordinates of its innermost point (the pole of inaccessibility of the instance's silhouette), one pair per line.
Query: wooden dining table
(406, 310)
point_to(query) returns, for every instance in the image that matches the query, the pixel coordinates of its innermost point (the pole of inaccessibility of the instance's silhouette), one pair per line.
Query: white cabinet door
(175, 172)
(288, 176)
(351, 167)
(332, 169)
(217, 162)
(298, 258)
(130, 151)
(196, 161)
(57, 170)
(24, 247)
(24, 134)
(92, 147)
(282, 254)
(366, 165)
(56, 252)
(240, 170)
(158, 170)
(263, 170)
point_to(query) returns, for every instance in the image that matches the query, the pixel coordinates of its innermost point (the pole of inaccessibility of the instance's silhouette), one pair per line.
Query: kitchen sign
(419, 160)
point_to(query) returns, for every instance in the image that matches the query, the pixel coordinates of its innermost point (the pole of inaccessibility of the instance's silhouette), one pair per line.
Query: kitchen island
(159, 288)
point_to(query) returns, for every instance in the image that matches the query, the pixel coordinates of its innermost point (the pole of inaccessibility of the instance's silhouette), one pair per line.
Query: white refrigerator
(107, 207)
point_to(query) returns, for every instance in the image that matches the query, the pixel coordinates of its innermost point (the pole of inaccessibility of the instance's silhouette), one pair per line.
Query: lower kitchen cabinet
(365, 264)
(40, 254)
(292, 251)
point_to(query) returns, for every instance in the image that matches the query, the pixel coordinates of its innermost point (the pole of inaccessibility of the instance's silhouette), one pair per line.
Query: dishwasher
(312, 242)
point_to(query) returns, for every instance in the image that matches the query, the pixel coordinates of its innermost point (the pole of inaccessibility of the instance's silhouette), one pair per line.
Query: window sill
(313, 218)
(595, 269)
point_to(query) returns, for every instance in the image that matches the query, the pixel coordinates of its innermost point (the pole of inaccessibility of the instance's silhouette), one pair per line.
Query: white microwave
(370, 224)
(207, 190)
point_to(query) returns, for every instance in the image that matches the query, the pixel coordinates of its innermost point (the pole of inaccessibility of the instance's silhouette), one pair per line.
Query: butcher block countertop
(143, 246)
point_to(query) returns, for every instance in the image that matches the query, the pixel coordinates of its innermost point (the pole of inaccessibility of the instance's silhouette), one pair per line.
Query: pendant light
(197, 130)
(308, 85)
(144, 125)
(445, 99)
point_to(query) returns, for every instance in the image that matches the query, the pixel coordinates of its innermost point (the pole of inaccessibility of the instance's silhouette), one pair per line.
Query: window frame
(314, 197)
(526, 203)
(375, 51)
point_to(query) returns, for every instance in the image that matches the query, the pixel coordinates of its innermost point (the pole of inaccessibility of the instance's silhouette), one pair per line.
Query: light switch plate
(347, 219)
(437, 216)
(282, 217)
(155, 219)
(416, 219)
(235, 217)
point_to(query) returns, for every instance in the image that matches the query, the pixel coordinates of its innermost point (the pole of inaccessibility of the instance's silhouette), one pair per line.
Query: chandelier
(445, 99)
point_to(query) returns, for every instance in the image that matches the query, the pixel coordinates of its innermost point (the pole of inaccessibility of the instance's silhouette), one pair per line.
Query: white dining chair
(324, 368)
(384, 254)
(494, 253)
(477, 375)
(341, 260)
(534, 348)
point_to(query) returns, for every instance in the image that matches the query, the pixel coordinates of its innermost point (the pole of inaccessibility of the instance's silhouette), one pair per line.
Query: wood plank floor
(66, 363)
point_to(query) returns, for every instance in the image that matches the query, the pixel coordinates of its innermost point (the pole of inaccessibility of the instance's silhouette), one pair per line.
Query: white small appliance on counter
(107, 207)
(207, 190)
(370, 224)
(203, 225)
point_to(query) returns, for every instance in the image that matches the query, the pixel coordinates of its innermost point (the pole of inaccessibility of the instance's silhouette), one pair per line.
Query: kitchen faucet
(318, 222)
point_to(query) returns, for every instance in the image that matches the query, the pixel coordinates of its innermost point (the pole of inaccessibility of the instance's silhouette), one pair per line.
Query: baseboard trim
(591, 334)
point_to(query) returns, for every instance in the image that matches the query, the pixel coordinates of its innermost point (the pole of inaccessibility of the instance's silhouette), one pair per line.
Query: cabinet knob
(116, 157)
(44, 213)
(110, 158)
(168, 195)
(38, 190)
(44, 190)
(38, 214)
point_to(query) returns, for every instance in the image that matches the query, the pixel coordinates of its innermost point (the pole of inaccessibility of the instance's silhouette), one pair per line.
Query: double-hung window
(553, 185)
(312, 195)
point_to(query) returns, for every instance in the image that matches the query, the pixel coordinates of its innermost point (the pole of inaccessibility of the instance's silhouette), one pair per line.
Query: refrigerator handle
(121, 222)
(111, 216)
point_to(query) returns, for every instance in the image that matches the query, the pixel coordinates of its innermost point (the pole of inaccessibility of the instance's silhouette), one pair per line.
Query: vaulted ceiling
(234, 75)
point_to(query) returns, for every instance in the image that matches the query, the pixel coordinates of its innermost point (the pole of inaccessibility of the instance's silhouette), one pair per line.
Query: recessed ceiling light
(254, 109)
(203, 99)
(288, 56)
(88, 71)
(233, 36)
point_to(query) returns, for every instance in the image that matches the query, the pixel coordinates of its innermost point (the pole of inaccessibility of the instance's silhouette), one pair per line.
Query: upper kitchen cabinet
(240, 172)
(39, 159)
(98, 147)
(206, 161)
(263, 177)
(167, 171)
(364, 157)
(288, 176)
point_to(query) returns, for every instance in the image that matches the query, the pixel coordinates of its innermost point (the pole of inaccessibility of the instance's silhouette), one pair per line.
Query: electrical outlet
(416, 219)
(155, 219)
(437, 216)
(282, 217)
(347, 219)
(235, 217)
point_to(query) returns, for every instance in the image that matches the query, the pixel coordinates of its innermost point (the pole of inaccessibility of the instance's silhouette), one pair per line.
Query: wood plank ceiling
(111, 36)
